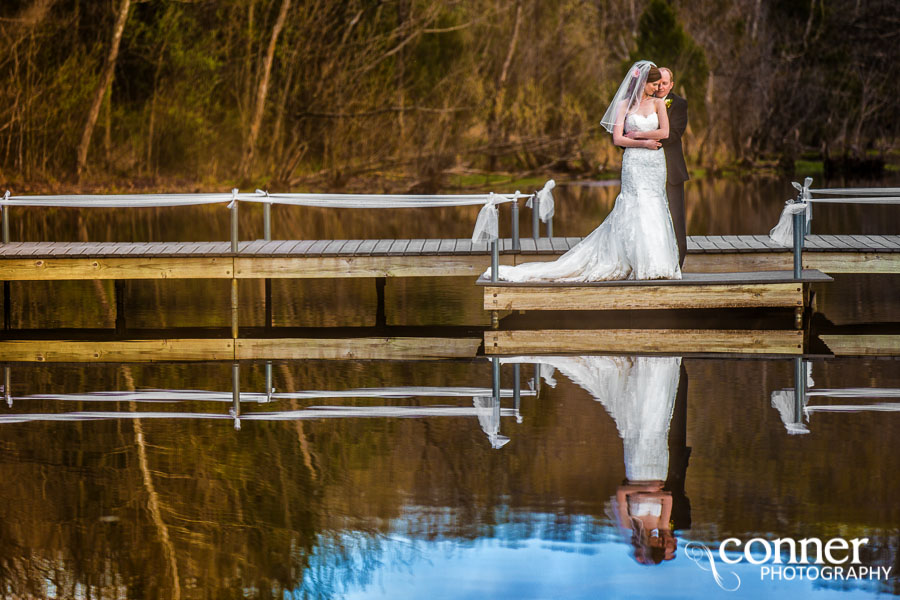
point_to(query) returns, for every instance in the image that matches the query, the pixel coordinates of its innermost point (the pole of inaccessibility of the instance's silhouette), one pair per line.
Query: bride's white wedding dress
(636, 241)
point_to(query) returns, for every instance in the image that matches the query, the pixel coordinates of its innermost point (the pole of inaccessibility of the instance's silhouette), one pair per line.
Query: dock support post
(535, 220)
(119, 292)
(380, 311)
(269, 387)
(549, 227)
(495, 266)
(236, 394)
(7, 381)
(799, 226)
(516, 245)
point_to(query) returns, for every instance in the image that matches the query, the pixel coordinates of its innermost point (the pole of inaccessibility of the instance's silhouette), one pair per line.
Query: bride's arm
(663, 131)
(625, 142)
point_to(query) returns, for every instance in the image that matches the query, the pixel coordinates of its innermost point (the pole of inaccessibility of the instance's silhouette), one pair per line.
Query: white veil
(630, 91)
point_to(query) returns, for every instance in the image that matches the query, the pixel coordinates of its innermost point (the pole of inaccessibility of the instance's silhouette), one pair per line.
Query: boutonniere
(668, 103)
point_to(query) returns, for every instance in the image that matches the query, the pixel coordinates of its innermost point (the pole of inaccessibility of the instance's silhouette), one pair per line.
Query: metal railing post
(495, 259)
(267, 235)
(535, 220)
(516, 245)
(5, 218)
(234, 281)
(234, 226)
(269, 387)
(549, 227)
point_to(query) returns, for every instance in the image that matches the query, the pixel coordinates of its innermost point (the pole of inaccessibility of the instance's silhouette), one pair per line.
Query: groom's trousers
(675, 194)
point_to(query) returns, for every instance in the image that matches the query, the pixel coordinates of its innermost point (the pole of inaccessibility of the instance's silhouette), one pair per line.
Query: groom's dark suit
(676, 169)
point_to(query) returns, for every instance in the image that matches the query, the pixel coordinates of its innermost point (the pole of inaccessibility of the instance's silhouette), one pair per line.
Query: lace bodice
(636, 122)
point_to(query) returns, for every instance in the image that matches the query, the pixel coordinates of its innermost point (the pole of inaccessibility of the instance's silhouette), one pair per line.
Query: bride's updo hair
(653, 75)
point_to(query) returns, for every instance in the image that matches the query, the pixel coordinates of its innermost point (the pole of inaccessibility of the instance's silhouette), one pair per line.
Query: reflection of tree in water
(277, 506)
(224, 515)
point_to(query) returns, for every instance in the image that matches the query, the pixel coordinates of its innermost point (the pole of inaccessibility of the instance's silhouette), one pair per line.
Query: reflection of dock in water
(485, 405)
(574, 336)
(794, 408)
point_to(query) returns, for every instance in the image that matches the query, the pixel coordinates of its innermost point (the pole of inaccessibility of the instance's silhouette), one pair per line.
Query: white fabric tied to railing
(805, 196)
(117, 200)
(378, 200)
(487, 225)
(783, 233)
(546, 206)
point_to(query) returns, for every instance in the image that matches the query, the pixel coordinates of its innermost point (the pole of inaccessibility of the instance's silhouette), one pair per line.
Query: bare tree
(105, 80)
(262, 91)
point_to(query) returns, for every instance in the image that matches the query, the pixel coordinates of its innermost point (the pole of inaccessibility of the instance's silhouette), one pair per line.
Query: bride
(637, 240)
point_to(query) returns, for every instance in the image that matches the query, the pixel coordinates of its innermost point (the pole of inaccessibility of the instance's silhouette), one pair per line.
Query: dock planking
(402, 257)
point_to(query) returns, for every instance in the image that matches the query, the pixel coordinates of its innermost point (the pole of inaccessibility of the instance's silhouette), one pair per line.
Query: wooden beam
(667, 341)
(853, 262)
(371, 348)
(363, 266)
(116, 351)
(862, 345)
(45, 269)
(732, 262)
(642, 297)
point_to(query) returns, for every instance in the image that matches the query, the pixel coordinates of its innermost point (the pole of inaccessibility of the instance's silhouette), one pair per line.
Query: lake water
(605, 483)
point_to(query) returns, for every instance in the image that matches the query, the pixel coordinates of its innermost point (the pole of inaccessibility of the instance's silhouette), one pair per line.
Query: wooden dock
(260, 259)
(759, 289)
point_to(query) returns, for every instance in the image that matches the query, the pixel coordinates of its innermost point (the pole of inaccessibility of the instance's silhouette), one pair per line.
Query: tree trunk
(105, 80)
(499, 97)
(263, 89)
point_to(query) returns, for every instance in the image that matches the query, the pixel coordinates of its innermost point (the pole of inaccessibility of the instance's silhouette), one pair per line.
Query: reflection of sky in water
(592, 562)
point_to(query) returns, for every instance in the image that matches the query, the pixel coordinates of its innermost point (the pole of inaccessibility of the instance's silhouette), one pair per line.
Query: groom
(676, 170)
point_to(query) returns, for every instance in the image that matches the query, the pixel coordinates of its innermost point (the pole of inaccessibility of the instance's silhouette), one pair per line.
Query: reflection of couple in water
(647, 398)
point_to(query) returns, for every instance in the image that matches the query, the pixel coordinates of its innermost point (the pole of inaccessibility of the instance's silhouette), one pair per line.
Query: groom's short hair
(671, 74)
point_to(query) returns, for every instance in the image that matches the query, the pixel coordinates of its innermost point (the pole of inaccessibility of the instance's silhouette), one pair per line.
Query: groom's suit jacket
(676, 169)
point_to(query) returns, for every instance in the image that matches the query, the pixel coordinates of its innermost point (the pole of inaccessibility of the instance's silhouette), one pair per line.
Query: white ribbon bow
(487, 227)
(545, 201)
(783, 233)
(805, 195)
